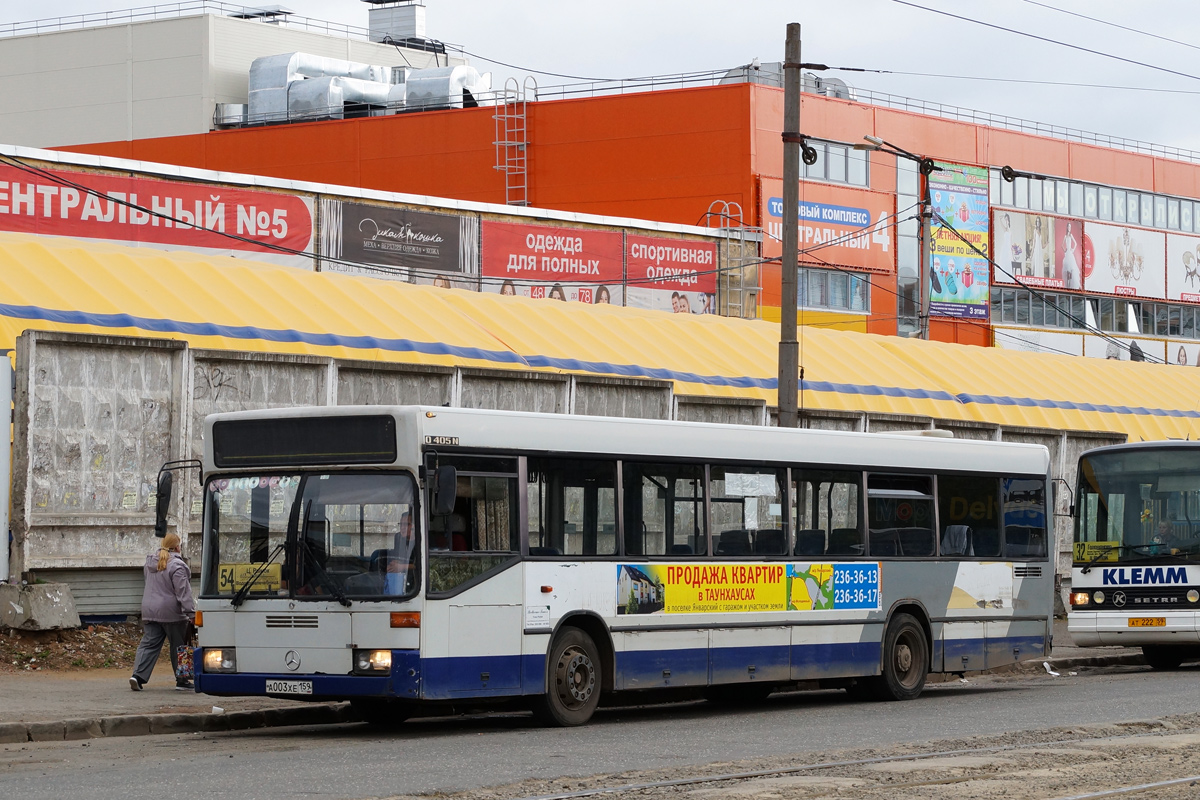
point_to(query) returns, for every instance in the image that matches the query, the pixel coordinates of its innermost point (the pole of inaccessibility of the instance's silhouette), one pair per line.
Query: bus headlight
(372, 661)
(1098, 597)
(220, 659)
(1193, 596)
(1080, 598)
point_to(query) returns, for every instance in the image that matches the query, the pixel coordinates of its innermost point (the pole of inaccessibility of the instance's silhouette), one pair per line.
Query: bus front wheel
(573, 680)
(1163, 656)
(905, 660)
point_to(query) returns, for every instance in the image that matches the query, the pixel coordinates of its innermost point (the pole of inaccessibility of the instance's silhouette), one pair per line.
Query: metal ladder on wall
(512, 139)
(738, 285)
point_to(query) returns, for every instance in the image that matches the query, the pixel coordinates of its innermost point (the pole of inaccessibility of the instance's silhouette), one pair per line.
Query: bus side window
(969, 515)
(746, 505)
(664, 510)
(572, 507)
(482, 533)
(1024, 505)
(901, 515)
(825, 513)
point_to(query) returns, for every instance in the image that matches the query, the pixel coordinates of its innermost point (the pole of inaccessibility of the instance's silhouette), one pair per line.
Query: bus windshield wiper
(321, 574)
(240, 595)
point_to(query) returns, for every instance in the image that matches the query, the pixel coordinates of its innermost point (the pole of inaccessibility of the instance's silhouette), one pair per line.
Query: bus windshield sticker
(734, 588)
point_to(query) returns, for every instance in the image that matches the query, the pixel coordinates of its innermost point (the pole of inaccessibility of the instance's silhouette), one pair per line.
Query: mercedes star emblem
(291, 659)
(1119, 599)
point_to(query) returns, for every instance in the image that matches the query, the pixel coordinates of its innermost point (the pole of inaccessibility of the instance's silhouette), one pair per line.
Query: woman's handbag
(185, 670)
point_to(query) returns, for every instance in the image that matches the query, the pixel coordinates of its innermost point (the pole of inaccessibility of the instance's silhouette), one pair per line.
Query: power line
(1049, 40)
(1017, 80)
(1111, 24)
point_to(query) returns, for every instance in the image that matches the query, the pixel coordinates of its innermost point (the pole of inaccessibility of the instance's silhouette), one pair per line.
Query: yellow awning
(225, 303)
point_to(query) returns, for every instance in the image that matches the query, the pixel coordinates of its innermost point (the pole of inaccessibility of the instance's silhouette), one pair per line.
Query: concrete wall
(150, 79)
(96, 416)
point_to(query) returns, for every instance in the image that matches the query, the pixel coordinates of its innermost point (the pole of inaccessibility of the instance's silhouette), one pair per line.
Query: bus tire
(905, 660)
(573, 681)
(380, 712)
(1163, 657)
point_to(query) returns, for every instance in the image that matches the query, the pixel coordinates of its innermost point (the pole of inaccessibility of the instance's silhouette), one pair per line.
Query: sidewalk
(47, 706)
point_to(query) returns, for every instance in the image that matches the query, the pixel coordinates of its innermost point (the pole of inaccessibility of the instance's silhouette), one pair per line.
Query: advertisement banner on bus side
(168, 215)
(837, 225)
(746, 587)
(677, 275)
(540, 261)
(959, 271)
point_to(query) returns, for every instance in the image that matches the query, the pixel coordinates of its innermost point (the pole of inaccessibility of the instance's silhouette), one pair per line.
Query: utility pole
(926, 268)
(789, 348)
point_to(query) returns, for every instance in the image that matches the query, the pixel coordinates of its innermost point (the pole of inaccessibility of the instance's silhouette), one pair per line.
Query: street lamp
(927, 167)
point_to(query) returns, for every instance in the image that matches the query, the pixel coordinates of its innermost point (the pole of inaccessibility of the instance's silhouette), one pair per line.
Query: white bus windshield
(311, 536)
(1134, 505)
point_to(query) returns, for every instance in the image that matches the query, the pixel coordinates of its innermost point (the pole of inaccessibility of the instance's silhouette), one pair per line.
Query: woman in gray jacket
(167, 611)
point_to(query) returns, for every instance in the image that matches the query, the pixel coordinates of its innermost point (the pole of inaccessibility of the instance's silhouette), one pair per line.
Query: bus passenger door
(472, 625)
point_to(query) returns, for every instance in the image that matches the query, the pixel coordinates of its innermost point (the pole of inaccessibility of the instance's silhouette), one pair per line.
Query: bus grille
(1027, 572)
(292, 621)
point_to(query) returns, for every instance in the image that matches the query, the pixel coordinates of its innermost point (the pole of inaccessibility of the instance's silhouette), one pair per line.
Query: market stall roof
(224, 303)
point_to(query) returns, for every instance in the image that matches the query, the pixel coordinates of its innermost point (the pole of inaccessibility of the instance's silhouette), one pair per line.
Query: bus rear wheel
(905, 660)
(573, 681)
(1163, 656)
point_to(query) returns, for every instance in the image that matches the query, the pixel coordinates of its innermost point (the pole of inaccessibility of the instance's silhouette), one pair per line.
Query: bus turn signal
(406, 619)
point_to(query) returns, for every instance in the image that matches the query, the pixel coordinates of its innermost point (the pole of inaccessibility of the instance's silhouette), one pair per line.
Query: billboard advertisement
(1128, 261)
(1124, 348)
(958, 274)
(678, 275)
(1035, 341)
(168, 215)
(1183, 353)
(540, 261)
(1038, 250)
(414, 246)
(1183, 268)
(837, 225)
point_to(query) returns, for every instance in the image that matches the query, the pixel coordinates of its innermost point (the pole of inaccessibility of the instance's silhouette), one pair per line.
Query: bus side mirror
(162, 504)
(445, 490)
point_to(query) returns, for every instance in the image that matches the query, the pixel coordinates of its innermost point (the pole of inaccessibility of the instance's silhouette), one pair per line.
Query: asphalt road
(354, 761)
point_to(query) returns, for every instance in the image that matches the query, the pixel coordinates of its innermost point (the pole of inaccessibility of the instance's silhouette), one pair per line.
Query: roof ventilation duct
(275, 80)
(447, 87)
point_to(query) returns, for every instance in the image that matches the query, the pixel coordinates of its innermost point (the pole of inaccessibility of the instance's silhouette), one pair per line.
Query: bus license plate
(1147, 622)
(289, 687)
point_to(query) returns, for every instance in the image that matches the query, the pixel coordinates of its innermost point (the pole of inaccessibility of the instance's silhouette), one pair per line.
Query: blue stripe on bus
(289, 335)
(511, 675)
(834, 660)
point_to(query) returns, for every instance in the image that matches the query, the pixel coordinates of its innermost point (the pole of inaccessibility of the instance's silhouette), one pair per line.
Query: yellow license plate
(1147, 622)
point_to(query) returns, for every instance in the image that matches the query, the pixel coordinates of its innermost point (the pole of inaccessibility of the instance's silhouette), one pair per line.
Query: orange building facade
(678, 155)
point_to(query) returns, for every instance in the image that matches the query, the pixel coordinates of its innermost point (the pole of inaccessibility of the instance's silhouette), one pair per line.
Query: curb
(156, 724)
(336, 713)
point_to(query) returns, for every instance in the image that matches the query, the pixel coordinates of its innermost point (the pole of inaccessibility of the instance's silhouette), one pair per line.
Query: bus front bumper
(403, 682)
(1101, 628)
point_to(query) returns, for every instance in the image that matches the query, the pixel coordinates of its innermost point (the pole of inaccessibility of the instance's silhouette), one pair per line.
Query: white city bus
(1136, 574)
(401, 556)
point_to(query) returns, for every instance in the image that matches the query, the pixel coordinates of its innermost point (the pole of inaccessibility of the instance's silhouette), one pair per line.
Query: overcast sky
(621, 38)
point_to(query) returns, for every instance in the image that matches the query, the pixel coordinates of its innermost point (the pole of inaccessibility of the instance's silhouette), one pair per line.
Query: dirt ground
(1054, 763)
(92, 647)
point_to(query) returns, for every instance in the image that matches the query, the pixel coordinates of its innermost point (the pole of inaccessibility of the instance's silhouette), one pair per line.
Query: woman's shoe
(184, 686)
